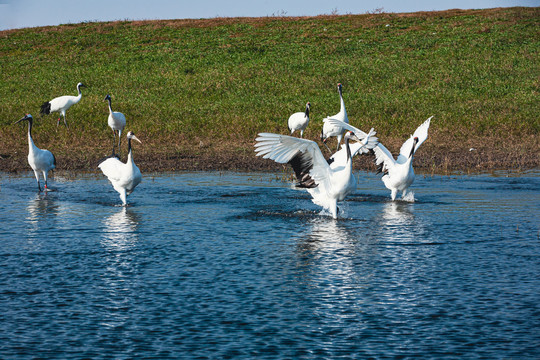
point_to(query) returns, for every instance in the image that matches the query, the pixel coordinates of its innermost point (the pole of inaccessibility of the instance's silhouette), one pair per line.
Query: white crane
(123, 177)
(117, 122)
(399, 173)
(62, 104)
(41, 161)
(328, 129)
(299, 121)
(327, 183)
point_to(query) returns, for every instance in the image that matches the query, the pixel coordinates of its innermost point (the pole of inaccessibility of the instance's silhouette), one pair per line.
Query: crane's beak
(135, 138)
(18, 121)
(354, 137)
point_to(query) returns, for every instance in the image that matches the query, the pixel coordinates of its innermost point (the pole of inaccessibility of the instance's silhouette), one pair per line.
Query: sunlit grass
(179, 82)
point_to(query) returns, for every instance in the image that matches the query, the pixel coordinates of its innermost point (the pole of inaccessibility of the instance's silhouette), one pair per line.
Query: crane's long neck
(130, 155)
(349, 156)
(110, 107)
(411, 155)
(31, 146)
(78, 96)
(342, 102)
(307, 111)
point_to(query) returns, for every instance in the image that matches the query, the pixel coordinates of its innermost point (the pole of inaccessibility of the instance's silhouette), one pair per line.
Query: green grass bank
(197, 92)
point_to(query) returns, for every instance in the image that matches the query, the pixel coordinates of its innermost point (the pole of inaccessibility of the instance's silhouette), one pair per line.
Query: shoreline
(430, 159)
(442, 153)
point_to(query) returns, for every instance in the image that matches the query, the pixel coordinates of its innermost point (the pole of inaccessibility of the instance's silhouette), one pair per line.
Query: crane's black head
(339, 86)
(108, 97)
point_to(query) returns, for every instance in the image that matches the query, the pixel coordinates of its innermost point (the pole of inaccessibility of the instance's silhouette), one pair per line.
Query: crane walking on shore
(299, 121)
(62, 104)
(117, 122)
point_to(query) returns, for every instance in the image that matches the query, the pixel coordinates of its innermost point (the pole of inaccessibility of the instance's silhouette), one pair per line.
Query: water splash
(409, 196)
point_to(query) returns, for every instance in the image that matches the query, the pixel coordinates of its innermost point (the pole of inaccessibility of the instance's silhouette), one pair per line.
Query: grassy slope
(196, 88)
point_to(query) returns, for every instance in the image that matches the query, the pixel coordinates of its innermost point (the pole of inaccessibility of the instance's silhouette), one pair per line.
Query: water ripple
(209, 265)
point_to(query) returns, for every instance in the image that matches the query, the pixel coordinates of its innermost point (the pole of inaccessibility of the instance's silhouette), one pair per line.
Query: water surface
(228, 265)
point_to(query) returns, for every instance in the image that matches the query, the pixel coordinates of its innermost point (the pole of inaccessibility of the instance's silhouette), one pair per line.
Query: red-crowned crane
(299, 121)
(123, 177)
(399, 173)
(117, 122)
(328, 129)
(61, 104)
(40, 160)
(327, 183)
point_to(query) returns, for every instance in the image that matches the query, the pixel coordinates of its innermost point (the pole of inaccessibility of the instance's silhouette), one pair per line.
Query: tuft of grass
(223, 80)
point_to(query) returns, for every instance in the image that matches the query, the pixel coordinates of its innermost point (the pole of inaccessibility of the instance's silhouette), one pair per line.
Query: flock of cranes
(328, 181)
(123, 176)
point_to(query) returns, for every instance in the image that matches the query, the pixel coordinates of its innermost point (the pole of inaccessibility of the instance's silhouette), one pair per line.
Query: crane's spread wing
(372, 141)
(340, 157)
(303, 155)
(421, 133)
(111, 168)
(383, 158)
(329, 129)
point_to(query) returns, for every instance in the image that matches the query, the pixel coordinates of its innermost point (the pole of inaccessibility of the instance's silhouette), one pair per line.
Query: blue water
(230, 265)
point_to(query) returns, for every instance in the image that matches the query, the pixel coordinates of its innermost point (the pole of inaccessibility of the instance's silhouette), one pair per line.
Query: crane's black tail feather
(46, 108)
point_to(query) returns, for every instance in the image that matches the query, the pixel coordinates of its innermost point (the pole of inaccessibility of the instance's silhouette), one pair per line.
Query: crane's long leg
(65, 121)
(113, 141)
(45, 173)
(334, 208)
(119, 141)
(394, 194)
(37, 179)
(123, 196)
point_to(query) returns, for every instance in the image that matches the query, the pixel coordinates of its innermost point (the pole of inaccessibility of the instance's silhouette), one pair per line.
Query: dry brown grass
(440, 154)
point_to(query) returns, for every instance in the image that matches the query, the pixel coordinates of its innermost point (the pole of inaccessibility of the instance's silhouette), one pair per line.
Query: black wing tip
(380, 167)
(302, 165)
